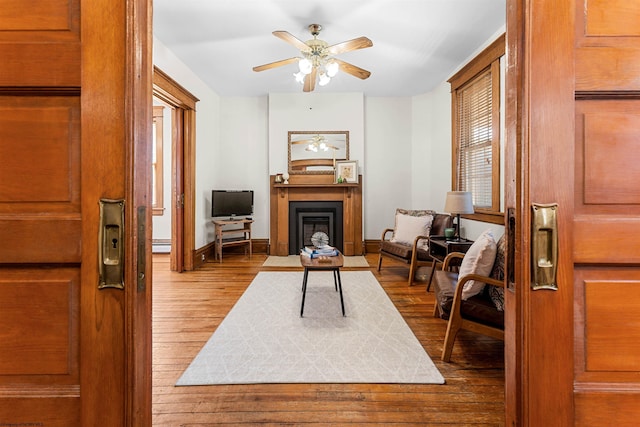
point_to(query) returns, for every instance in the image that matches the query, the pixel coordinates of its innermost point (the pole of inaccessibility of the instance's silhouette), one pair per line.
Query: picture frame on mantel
(346, 171)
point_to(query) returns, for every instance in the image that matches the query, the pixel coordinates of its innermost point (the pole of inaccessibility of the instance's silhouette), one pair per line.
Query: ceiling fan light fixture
(332, 68)
(305, 66)
(299, 77)
(323, 79)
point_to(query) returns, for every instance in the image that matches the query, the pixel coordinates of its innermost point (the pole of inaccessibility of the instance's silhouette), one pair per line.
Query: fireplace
(307, 218)
(316, 188)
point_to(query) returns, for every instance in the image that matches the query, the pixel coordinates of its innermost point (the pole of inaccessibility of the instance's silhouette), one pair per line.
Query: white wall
(239, 160)
(431, 142)
(388, 182)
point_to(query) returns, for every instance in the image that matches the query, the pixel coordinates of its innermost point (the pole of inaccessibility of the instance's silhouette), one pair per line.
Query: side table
(232, 237)
(328, 264)
(440, 247)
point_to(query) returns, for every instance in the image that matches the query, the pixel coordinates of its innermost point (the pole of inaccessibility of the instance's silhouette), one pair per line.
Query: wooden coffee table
(332, 263)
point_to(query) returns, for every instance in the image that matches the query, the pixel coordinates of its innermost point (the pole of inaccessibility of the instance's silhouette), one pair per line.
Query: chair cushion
(398, 249)
(478, 259)
(408, 227)
(402, 250)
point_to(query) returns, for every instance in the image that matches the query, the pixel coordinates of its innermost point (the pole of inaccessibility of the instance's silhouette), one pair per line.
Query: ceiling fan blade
(275, 64)
(292, 40)
(352, 69)
(359, 43)
(310, 80)
(303, 141)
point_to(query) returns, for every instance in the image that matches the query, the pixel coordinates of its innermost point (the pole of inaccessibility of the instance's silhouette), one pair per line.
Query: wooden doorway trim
(182, 168)
(138, 114)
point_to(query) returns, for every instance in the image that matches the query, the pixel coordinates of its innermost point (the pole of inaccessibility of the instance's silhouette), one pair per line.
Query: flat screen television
(231, 203)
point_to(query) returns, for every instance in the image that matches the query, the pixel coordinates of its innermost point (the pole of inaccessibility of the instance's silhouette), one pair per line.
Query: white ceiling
(417, 44)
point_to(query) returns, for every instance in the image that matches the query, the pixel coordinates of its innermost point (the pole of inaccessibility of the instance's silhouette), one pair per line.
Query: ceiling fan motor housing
(317, 51)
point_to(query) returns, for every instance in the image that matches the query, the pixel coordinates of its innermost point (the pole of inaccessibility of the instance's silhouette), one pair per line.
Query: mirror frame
(300, 166)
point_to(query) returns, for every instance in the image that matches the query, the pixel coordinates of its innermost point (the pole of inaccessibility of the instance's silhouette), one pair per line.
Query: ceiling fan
(318, 61)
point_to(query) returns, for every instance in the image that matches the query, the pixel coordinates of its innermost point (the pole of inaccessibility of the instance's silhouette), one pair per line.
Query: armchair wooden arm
(454, 259)
(384, 233)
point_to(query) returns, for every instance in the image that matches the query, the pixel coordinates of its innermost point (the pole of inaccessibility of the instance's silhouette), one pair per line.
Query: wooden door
(573, 131)
(72, 85)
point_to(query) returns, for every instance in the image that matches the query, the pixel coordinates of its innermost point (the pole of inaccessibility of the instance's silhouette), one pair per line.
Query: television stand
(232, 236)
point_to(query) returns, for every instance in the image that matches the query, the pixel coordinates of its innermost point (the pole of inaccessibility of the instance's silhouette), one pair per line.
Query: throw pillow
(497, 296)
(409, 227)
(479, 260)
(415, 212)
(495, 292)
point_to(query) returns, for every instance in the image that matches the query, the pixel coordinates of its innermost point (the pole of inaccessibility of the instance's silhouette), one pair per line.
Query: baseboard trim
(372, 246)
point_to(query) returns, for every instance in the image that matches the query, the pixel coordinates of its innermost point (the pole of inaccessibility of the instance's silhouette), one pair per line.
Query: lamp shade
(459, 202)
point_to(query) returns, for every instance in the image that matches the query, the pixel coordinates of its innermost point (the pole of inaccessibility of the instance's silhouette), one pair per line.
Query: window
(476, 132)
(156, 163)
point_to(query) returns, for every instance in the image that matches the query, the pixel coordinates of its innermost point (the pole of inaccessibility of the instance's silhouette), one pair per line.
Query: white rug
(294, 261)
(264, 340)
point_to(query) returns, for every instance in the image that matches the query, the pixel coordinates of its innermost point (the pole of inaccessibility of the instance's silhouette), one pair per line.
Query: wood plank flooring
(187, 308)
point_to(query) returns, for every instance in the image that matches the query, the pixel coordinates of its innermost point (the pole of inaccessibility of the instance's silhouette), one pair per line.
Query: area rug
(294, 261)
(263, 339)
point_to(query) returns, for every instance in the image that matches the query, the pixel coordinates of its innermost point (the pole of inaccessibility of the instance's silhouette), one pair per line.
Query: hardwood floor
(187, 308)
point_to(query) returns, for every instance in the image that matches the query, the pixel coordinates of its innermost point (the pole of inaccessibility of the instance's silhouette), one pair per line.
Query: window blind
(474, 139)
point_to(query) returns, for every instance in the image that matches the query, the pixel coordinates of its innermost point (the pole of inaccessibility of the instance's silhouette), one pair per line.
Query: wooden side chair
(408, 241)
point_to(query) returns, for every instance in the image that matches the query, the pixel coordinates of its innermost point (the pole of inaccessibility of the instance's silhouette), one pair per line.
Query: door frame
(182, 167)
(137, 118)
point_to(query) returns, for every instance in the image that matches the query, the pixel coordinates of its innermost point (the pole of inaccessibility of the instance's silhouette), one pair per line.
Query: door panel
(72, 355)
(607, 213)
(40, 214)
(575, 86)
(45, 343)
(40, 174)
(40, 43)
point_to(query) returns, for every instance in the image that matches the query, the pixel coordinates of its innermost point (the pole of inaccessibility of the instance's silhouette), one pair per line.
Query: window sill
(493, 218)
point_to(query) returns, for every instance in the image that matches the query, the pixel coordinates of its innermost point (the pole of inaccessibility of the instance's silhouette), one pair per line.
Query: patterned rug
(263, 339)
(294, 261)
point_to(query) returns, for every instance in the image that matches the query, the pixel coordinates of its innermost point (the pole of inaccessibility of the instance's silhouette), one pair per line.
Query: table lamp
(458, 202)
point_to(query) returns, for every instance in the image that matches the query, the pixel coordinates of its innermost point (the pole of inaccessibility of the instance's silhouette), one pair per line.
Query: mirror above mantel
(315, 152)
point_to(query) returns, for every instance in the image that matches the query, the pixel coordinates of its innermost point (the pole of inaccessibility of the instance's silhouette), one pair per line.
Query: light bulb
(299, 77)
(332, 68)
(323, 146)
(324, 79)
(305, 66)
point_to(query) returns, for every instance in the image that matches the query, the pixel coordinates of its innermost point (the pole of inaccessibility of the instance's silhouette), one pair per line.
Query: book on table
(313, 252)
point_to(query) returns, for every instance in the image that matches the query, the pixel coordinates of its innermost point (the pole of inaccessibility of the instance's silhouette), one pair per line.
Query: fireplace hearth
(307, 218)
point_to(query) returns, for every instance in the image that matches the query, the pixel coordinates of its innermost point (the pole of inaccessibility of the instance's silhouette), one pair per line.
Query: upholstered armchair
(408, 241)
(473, 297)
